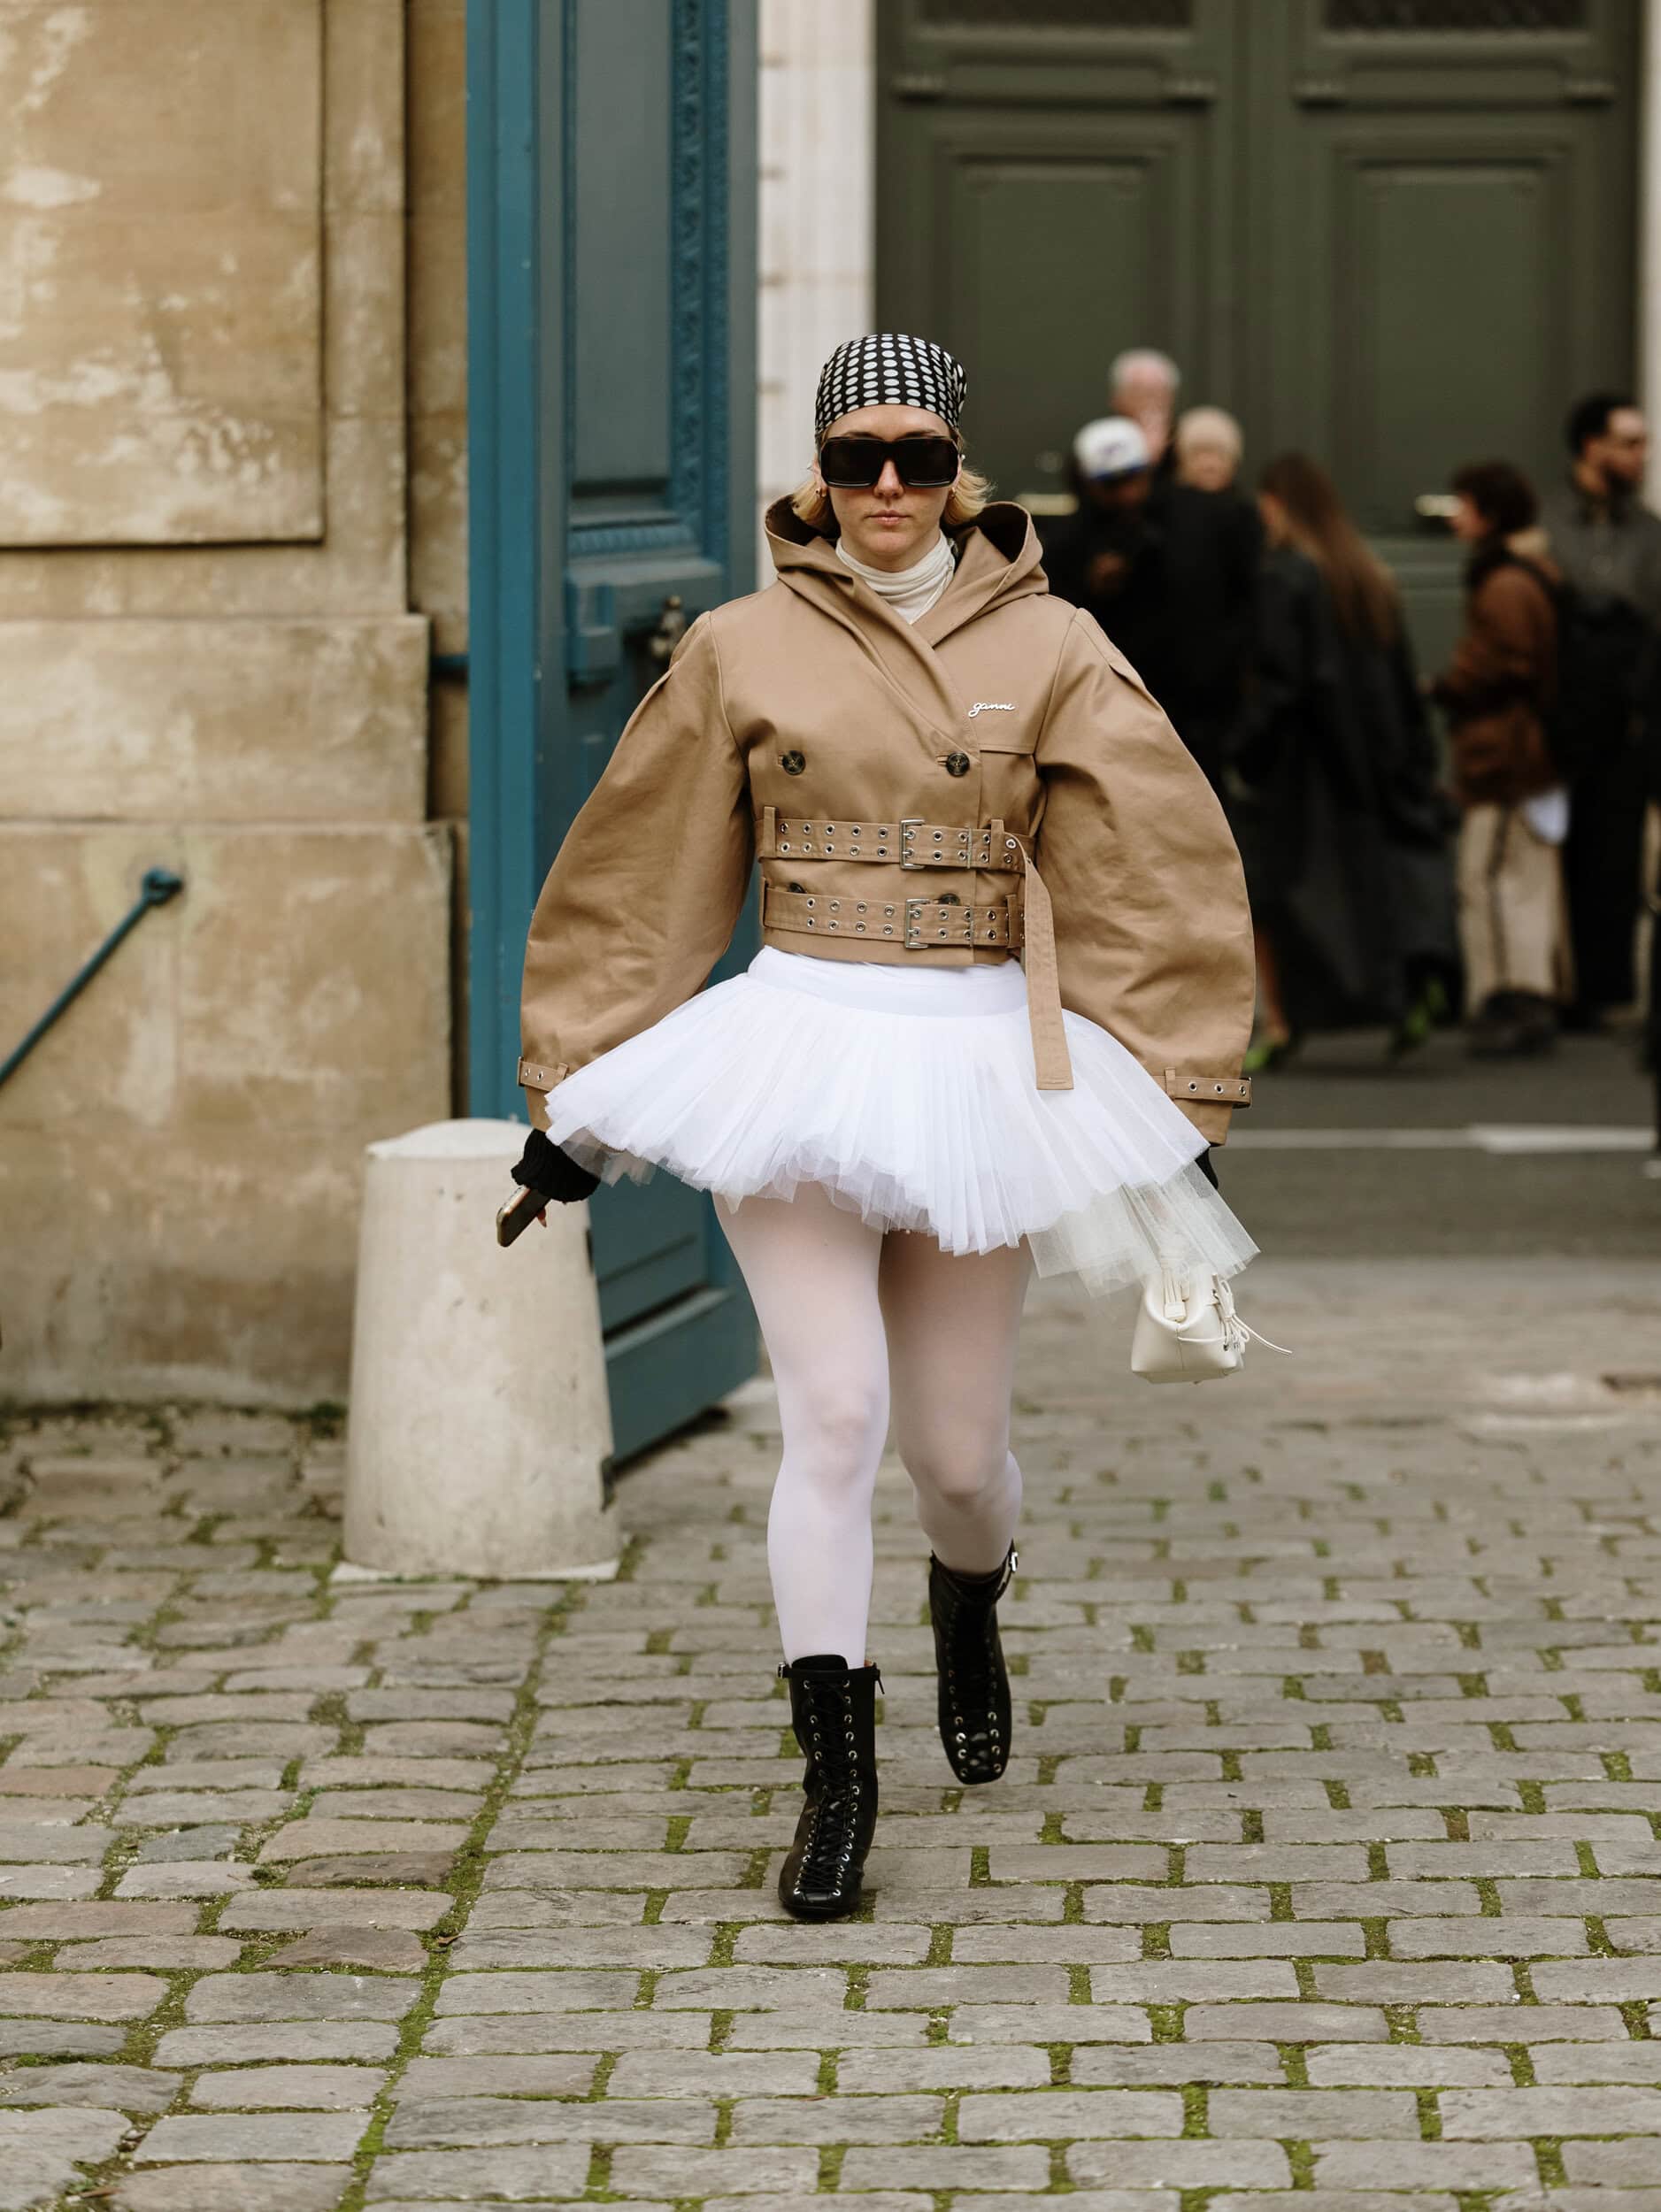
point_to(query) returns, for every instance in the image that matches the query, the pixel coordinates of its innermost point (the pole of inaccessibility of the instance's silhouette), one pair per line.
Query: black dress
(1334, 799)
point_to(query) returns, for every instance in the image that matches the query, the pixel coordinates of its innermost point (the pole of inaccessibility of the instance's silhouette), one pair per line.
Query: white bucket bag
(1187, 1330)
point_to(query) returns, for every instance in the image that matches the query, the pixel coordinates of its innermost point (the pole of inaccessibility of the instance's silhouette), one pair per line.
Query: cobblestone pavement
(1326, 1872)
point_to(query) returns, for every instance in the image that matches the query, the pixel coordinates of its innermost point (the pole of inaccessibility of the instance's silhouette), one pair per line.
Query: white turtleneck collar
(911, 592)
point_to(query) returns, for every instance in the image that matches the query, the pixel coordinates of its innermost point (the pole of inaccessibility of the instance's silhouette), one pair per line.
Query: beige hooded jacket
(915, 793)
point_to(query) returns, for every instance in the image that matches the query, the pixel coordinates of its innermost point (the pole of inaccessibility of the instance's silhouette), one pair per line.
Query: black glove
(1204, 1163)
(551, 1173)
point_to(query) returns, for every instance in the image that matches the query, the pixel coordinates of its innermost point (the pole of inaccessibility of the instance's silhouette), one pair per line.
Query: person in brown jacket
(938, 765)
(1498, 689)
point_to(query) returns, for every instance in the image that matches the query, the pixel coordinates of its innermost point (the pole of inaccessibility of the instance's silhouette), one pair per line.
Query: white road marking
(1509, 1138)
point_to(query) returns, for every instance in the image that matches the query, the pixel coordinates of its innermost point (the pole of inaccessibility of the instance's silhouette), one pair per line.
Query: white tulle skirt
(910, 1097)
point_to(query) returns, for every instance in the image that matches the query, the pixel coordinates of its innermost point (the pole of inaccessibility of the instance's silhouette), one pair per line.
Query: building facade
(234, 514)
(232, 533)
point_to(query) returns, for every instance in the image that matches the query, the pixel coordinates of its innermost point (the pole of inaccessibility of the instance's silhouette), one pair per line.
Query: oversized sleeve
(1153, 933)
(645, 892)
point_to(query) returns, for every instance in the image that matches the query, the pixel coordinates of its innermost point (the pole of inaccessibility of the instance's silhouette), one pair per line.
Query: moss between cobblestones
(1548, 2157)
(1295, 2059)
(466, 1881)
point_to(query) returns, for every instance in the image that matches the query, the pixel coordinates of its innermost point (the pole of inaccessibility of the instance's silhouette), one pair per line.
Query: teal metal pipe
(159, 886)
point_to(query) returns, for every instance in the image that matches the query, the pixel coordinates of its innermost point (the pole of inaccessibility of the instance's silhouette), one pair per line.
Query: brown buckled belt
(912, 843)
(923, 924)
(916, 924)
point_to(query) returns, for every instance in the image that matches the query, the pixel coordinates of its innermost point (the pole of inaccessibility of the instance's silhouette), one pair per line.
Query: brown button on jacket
(927, 793)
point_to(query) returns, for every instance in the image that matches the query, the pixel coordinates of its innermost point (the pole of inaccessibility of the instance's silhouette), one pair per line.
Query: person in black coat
(1333, 786)
(1169, 572)
(1103, 557)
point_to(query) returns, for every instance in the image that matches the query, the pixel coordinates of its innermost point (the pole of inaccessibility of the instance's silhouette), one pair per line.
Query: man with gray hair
(1143, 384)
(1189, 614)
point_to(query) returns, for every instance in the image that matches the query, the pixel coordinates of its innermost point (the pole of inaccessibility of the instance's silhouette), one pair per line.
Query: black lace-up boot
(834, 1712)
(974, 1683)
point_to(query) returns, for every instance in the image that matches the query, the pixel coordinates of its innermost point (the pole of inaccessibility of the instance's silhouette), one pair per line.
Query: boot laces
(972, 1669)
(833, 1754)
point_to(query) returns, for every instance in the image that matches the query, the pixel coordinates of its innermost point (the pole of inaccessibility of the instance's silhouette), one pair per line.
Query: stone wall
(232, 497)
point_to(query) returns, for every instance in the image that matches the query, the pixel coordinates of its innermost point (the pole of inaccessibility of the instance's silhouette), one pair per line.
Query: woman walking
(1335, 781)
(1496, 690)
(937, 765)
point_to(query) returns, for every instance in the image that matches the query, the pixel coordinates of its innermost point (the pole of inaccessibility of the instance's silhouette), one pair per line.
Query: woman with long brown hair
(1334, 761)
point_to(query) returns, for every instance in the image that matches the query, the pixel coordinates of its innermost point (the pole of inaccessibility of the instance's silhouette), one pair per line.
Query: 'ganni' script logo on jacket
(992, 706)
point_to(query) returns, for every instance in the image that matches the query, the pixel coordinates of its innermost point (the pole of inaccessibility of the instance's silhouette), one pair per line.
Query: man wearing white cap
(1106, 559)
(1169, 572)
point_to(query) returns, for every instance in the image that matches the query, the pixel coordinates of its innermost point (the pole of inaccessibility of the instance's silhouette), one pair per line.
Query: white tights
(852, 1317)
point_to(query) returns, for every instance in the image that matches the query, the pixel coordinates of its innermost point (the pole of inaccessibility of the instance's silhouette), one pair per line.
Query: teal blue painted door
(612, 293)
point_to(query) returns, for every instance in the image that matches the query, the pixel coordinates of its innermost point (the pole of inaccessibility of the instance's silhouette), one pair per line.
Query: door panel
(623, 129)
(612, 148)
(1057, 164)
(1445, 231)
(1412, 386)
(1021, 226)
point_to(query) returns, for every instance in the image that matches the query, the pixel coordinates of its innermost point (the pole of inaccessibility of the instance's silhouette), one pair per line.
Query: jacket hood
(999, 560)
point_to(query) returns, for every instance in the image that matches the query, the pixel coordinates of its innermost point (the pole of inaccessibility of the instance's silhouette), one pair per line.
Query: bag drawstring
(1237, 1331)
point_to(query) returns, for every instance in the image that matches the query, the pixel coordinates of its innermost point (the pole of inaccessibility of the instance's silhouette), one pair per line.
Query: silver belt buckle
(908, 824)
(914, 941)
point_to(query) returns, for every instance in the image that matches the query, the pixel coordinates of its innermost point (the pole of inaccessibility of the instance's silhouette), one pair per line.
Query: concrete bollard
(480, 1424)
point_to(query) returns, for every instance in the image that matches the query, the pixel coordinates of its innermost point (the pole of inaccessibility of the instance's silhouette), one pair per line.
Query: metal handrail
(159, 886)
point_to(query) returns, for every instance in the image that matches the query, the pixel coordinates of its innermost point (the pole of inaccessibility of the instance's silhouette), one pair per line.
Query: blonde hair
(810, 503)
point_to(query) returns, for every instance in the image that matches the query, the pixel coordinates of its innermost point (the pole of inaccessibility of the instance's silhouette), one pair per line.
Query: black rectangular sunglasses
(923, 463)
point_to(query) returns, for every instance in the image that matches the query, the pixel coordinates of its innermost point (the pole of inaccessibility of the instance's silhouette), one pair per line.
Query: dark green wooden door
(1446, 237)
(1399, 233)
(612, 253)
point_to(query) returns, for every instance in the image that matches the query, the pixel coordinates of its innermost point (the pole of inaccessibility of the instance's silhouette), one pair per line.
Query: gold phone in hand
(517, 1215)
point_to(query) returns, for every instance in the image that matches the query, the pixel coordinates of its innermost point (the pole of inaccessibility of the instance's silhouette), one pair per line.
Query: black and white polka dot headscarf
(889, 369)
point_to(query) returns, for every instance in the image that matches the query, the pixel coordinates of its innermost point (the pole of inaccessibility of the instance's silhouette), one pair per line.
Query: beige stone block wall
(161, 305)
(222, 721)
(179, 1159)
(360, 565)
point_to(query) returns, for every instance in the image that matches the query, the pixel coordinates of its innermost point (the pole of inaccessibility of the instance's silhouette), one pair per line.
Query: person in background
(1103, 557)
(1142, 386)
(1209, 445)
(1607, 542)
(1333, 785)
(1496, 690)
(1169, 572)
(1603, 537)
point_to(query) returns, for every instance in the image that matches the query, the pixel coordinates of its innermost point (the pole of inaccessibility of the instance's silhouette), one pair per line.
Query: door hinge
(1320, 92)
(1190, 92)
(1587, 92)
(918, 84)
